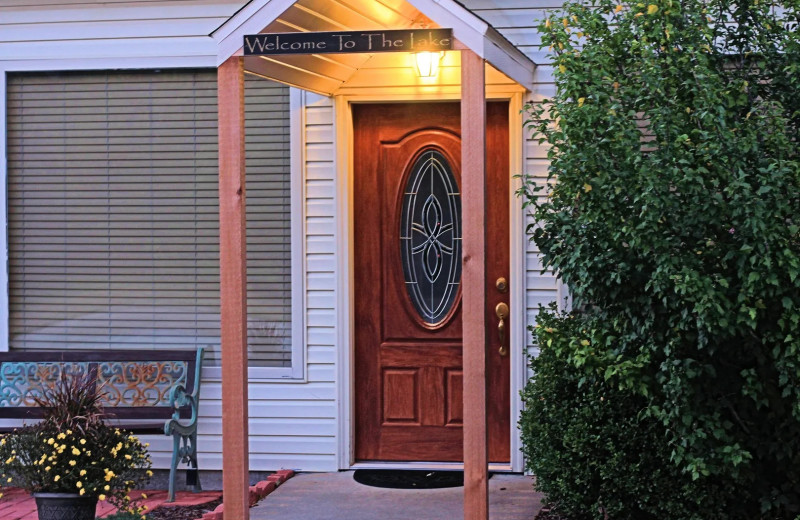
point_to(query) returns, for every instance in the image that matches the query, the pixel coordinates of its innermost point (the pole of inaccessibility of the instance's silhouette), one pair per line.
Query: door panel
(408, 359)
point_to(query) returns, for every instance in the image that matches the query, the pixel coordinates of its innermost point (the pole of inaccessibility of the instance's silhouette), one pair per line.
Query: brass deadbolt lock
(502, 285)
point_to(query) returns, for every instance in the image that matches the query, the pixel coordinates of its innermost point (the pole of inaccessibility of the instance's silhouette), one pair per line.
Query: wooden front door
(407, 261)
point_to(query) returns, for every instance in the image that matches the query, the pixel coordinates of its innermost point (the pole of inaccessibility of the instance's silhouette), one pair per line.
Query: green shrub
(673, 214)
(595, 452)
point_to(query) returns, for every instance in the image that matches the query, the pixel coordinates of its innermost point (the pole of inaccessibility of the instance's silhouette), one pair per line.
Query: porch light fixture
(428, 63)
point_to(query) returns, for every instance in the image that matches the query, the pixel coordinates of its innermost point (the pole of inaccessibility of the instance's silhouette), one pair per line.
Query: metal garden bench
(144, 391)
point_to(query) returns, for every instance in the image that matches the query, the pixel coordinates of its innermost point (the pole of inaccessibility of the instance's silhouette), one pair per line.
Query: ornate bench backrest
(127, 379)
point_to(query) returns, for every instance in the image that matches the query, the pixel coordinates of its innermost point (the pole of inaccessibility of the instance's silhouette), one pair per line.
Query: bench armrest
(179, 398)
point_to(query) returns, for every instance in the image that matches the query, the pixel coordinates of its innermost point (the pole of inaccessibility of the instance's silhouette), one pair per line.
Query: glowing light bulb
(428, 63)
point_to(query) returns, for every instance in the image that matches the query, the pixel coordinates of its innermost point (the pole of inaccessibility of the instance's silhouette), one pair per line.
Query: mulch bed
(548, 514)
(182, 512)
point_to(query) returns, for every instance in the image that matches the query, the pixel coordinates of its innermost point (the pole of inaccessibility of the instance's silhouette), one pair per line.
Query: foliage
(591, 445)
(672, 212)
(72, 450)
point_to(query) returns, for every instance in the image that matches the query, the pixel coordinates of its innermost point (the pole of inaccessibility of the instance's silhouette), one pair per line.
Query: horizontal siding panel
(26, 12)
(320, 244)
(320, 116)
(321, 282)
(154, 28)
(321, 299)
(276, 427)
(320, 152)
(321, 355)
(266, 390)
(135, 48)
(321, 263)
(274, 461)
(319, 170)
(311, 408)
(318, 134)
(320, 207)
(503, 19)
(320, 188)
(320, 225)
(321, 337)
(321, 318)
(481, 6)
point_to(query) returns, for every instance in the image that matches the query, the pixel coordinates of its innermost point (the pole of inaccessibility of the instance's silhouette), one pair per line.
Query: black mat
(409, 479)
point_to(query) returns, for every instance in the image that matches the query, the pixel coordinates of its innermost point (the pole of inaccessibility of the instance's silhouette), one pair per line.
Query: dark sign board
(410, 40)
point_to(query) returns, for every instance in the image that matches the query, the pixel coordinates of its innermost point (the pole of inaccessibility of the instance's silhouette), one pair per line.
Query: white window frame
(297, 372)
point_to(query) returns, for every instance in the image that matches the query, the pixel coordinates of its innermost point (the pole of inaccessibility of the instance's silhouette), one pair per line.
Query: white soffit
(339, 73)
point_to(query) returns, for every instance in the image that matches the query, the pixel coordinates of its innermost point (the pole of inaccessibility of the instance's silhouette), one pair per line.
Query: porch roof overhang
(331, 74)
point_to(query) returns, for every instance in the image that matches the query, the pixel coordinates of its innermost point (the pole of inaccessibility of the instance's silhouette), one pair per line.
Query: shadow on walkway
(336, 496)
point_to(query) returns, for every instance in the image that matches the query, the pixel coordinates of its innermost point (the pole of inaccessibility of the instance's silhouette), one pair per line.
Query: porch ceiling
(331, 74)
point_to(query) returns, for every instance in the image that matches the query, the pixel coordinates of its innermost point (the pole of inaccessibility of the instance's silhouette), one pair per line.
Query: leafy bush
(591, 445)
(673, 214)
(72, 450)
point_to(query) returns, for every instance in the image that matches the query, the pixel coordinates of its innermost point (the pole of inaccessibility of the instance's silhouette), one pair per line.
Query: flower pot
(65, 506)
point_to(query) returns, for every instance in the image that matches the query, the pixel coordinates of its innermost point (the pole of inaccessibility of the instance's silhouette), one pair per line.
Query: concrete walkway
(336, 496)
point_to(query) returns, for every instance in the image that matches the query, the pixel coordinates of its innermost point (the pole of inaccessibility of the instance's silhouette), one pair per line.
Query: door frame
(343, 150)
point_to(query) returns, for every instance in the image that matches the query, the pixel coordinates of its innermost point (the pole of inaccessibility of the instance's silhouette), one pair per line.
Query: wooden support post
(233, 289)
(473, 203)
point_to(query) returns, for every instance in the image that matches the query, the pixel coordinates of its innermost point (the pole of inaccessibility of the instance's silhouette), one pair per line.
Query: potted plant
(73, 457)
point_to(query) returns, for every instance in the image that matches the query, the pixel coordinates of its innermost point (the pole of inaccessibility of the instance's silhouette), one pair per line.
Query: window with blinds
(113, 213)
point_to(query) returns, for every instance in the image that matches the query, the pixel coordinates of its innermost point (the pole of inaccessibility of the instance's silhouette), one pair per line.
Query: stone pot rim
(62, 494)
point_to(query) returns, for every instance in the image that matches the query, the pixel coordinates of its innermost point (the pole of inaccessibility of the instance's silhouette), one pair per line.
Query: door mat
(409, 479)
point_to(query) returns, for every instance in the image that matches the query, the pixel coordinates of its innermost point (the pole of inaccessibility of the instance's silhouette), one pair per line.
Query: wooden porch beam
(473, 203)
(233, 288)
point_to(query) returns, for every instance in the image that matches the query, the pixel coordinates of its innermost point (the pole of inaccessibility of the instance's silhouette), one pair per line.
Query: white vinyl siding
(517, 21)
(113, 213)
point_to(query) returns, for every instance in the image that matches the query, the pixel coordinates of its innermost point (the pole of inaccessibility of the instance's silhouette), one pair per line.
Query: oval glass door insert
(430, 237)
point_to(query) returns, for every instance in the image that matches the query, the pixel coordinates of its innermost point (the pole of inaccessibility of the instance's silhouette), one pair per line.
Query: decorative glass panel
(430, 237)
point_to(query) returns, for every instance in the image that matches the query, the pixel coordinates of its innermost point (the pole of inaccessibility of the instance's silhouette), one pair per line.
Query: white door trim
(344, 248)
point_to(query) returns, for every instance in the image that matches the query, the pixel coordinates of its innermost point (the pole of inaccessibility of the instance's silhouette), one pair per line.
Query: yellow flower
(82, 472)
(106, 488)
(618, 8)
(581, 101)
(69, 432)
(652, 9)
(47, 468)
(51, 440)
(585, 343)
(57, 478)
(102, 497)
(72, 463)
(79, 484)
(10, 460)
(61, 436)
(82, 492)
(562, 69)
(587, 187)
(9, 479)
(83, 441)
(149, 473)
(75, 451)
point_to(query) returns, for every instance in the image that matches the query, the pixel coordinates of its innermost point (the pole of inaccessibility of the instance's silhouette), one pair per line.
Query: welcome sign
(340, 42)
